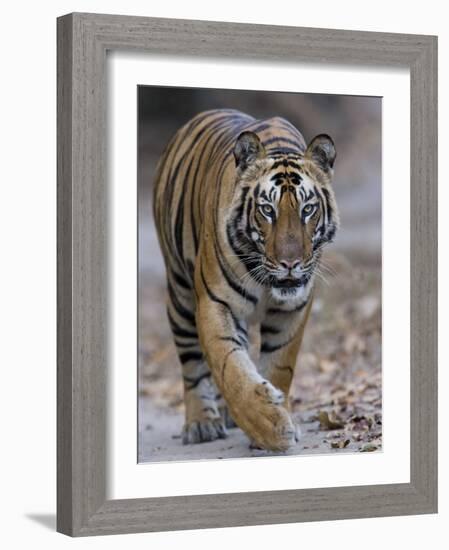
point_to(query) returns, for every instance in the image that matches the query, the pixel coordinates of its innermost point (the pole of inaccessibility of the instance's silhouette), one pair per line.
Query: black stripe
(231, 282)
(260, 127)
(241, 207)
(179, 225)
(295, 178)
(264, 195)
(185, 344)
(278, 177)
(218, 300)
(168, 196)
(214, 297)
(231, 233)
(270, 348)
(309, 195)
(265, 329)
(242, 333)
(179, 279)
(323, 217)
(328, 203)
(282, 151)
(180, 309)
(331, 232)
(180, 331)
(225, 362)
(249, 206)
(190, 269)
(281, 138)
(231, 339)
(195, 381)
(275, 310)
(187, 356)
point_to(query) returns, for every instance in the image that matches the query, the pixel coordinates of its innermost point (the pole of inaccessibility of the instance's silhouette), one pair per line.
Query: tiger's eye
(308, 209)
(267, 209)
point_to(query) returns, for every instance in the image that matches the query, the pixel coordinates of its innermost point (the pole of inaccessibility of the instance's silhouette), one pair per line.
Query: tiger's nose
(290, 264)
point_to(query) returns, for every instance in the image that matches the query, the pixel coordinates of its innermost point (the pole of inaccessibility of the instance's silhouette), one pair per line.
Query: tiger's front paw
(262, 415)
(203, 430)
(269, 393)
(253, 445)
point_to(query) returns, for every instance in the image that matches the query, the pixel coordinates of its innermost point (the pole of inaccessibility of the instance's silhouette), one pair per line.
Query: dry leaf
(340, 444)
(332, 422)
(368, 448)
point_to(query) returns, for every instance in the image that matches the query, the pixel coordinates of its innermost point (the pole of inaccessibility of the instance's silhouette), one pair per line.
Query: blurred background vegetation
(339, 368)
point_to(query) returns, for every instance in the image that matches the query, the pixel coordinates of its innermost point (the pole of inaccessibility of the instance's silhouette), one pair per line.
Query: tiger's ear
(321, 151)
(248, 148)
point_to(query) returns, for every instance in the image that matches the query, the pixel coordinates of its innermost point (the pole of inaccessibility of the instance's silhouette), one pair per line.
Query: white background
(27, 218)
(131, 480)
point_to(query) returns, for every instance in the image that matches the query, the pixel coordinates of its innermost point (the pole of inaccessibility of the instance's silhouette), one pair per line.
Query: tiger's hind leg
(225, 413)
(203, 421)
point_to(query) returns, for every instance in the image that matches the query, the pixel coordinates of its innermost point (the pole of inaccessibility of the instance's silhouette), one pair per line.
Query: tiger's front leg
(282, 331)
(254, 403)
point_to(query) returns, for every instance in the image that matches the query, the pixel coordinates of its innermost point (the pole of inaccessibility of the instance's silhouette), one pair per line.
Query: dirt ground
(336, 393)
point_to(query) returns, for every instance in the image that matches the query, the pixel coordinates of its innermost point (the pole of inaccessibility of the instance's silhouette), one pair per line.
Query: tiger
(242, 208)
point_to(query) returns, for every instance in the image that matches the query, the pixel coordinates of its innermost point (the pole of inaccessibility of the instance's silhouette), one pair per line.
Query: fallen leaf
(340, 444)
(368, 448)
(332, 422)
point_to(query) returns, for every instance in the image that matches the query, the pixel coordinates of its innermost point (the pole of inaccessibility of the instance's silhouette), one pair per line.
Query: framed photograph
(247, 287)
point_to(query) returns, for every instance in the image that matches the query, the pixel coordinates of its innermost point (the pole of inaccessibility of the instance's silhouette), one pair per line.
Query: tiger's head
(286, 212)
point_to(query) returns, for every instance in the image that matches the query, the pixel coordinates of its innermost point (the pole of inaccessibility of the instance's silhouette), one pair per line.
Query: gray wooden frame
(83, 40)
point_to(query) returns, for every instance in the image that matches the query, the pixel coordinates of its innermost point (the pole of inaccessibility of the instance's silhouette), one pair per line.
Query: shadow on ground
(46, 520)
